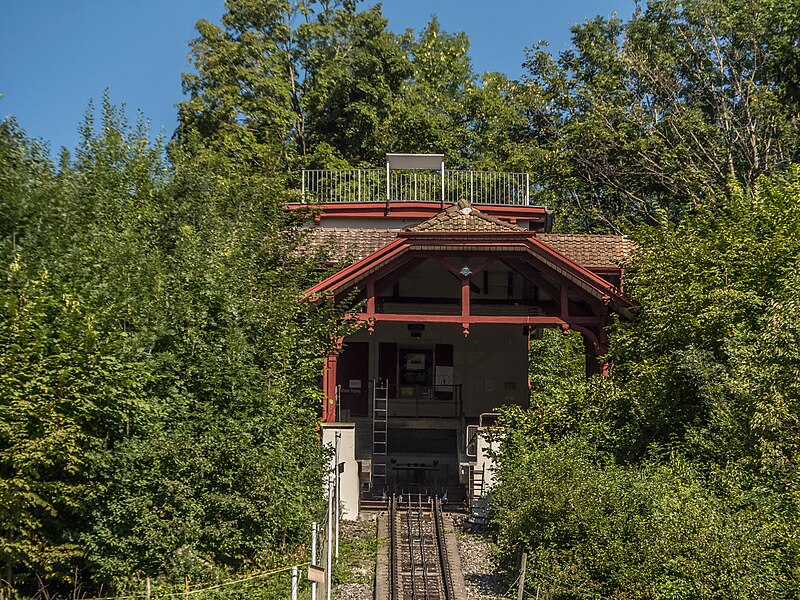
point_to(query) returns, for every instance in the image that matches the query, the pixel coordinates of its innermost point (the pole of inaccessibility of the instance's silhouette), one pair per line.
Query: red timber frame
(521, 251)
(537, 216)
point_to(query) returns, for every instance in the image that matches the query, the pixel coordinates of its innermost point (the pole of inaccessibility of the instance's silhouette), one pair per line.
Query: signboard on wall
(415, 361)
(444, 376)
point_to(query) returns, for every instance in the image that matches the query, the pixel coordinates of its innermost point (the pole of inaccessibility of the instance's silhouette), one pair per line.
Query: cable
(205, 589)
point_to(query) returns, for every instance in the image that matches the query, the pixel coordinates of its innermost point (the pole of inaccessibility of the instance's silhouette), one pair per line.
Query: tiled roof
(348, 244)
(588, 250)
(462, 217)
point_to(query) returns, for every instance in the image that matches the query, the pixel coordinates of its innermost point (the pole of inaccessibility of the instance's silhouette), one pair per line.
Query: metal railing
(439, 401)
(370, 185)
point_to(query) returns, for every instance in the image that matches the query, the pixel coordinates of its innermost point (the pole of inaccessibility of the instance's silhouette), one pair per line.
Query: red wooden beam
(465, 308)
(370, 296)
(329, 389)
(477, 319)
(415, 210)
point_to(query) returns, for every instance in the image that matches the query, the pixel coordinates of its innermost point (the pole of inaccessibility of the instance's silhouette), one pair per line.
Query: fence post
(330, 540)
(295, 582)
(442, 183)
(336, 503)
(472, 186)
(147, 588)
(388, 195)
(521, 587)
(527, 189)
(314, 557)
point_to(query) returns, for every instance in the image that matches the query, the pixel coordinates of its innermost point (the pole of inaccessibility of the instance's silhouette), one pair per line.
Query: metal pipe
(295, 582)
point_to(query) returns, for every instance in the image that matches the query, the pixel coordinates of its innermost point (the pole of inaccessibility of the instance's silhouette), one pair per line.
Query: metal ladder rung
(380, 432)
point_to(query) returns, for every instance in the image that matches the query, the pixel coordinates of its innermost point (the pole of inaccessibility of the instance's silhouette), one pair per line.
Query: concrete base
(382, 566)
(348, 469)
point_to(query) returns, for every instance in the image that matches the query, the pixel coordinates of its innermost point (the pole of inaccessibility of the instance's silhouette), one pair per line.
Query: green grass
(357, 556)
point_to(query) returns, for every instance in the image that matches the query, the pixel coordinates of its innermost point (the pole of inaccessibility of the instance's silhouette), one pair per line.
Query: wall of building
(383, 222)
(490, 365)
(368, 223)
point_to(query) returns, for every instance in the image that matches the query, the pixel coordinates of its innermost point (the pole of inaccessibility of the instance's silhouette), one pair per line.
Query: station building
(454, 272)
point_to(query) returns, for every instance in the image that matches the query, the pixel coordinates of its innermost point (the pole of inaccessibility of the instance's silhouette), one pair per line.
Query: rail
(419, 568)
(377, 185)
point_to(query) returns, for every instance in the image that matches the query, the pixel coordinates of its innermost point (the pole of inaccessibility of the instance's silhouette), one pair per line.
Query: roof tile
(588, 250)
(463, 217)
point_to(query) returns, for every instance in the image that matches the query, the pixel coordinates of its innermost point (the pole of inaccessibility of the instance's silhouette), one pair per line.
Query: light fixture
(465, 271)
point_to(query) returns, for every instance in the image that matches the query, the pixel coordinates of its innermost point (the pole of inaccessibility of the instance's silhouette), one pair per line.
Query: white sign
(444, 376)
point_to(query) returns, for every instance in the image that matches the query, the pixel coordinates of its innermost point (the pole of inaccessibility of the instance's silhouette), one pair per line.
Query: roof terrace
(415, 178)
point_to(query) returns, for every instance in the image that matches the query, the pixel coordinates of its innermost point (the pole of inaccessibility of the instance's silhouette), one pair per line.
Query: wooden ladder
(380, 434)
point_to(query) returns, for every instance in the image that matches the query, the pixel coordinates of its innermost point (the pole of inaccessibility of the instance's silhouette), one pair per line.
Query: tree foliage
(677, 475)
(159, 376)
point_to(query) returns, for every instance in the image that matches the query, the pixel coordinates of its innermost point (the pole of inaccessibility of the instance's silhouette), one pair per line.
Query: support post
(465, 301)
(370, 296)
(147, 588)
(465, 307)
(442, 183)
(295, 582)
(388, 188)
(329, 389)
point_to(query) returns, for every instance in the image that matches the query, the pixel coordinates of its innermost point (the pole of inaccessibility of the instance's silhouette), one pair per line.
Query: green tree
(354, 72)
(72, 380)
(431, 111)
(661, 112)
(675, 476)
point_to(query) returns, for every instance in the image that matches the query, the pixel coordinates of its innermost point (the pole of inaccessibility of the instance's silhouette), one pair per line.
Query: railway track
(418, 559)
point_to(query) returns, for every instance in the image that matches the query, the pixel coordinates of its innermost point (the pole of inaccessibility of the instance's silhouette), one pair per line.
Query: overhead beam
(476, 319)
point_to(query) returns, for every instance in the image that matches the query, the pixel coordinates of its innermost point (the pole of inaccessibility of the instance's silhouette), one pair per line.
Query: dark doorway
(352, 377)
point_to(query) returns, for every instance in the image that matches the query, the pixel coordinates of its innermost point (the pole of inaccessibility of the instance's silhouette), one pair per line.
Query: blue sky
(59, 54)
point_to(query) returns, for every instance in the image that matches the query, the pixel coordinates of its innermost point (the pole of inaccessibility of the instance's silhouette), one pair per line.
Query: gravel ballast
(476, 562)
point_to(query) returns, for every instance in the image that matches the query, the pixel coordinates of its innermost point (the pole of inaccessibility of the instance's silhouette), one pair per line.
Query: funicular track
(419, 565)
